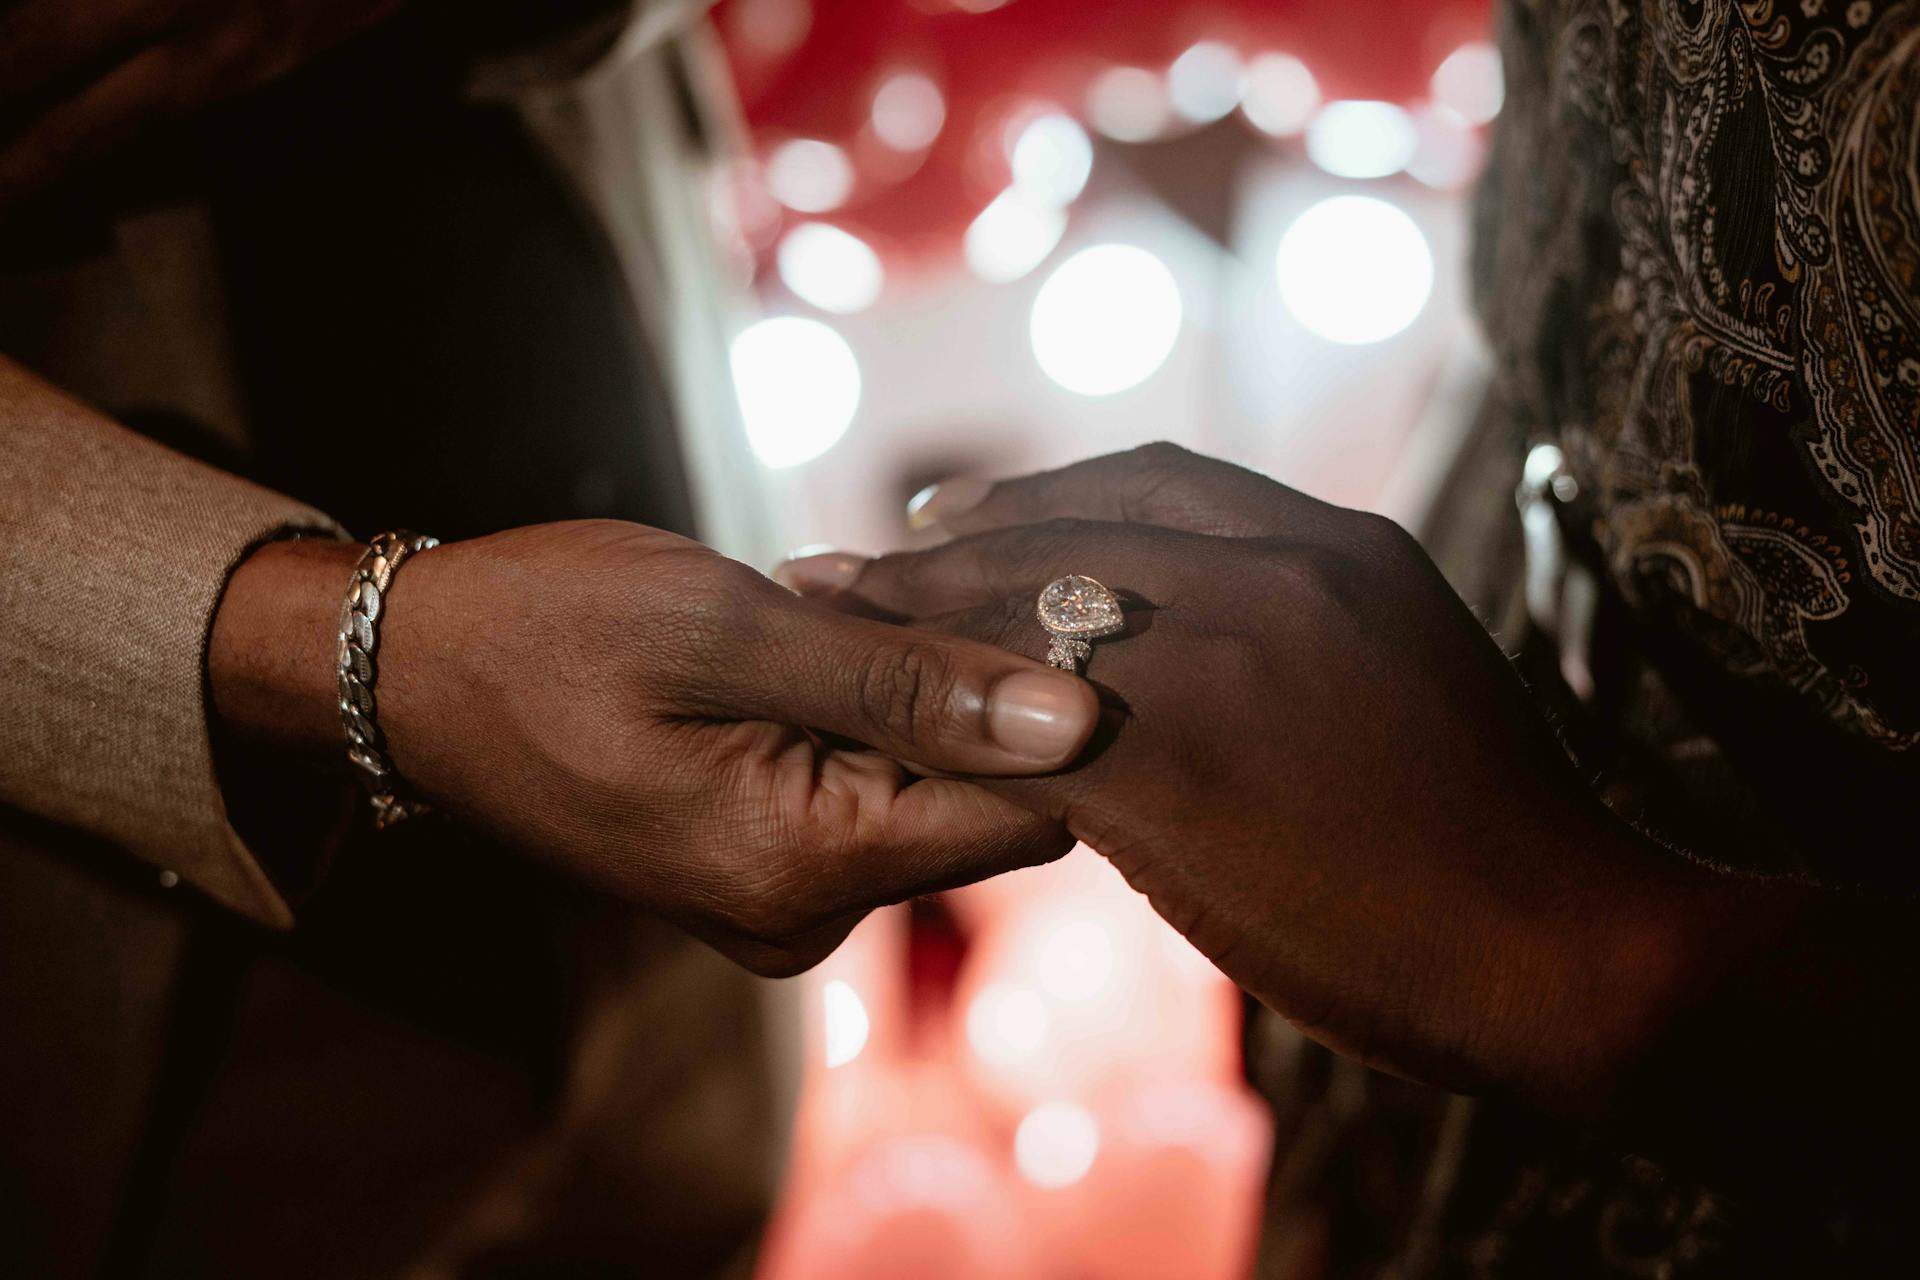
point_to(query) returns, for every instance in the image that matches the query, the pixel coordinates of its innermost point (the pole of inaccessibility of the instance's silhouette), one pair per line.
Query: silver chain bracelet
(359, 636)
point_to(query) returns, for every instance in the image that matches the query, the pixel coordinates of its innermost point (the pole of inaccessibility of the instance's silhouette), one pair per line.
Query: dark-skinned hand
(642, 712)
(1314, 762)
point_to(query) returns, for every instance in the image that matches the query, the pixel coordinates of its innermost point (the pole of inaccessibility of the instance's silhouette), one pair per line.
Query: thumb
(939, 702)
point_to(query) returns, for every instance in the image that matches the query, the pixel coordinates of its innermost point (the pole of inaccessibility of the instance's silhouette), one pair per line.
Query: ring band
(1077, 610)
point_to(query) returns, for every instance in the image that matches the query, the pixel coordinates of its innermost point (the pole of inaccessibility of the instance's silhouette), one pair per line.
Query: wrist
(270, 655)
(1635, 950)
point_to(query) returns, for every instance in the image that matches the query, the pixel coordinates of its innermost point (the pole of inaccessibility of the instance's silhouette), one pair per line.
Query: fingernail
(1040, 716)
(819, 574)
(949, 498)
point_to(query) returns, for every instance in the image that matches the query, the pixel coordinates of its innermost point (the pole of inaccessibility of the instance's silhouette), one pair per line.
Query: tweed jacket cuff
(115, 552)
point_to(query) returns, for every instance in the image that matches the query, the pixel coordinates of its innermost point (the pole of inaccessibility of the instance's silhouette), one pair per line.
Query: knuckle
(1162, 455)
(907, 688)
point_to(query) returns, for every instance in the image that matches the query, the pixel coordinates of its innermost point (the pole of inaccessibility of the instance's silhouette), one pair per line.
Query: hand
(78, 79)
(1314, 762)
(629, 706)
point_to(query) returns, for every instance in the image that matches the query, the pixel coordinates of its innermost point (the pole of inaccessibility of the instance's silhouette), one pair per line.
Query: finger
(46, 42)
(1132, 559)
(940, 834)
(826, 836)
(942, 703)
(1157, 484)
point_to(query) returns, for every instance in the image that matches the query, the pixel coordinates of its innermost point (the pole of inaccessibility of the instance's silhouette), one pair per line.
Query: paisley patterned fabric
(1700, 266)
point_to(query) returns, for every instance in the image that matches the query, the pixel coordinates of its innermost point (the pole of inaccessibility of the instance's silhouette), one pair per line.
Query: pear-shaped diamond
(1081, 608)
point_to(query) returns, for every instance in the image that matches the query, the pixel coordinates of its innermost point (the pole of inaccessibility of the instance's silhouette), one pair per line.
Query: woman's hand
(634, 707)
(1315, 763)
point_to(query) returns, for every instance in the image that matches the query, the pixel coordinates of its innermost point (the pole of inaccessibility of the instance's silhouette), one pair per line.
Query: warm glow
(1354, 269)
(1012, 236)
(908, 111)
(1353, 139)
(1052, 159)
(1006, 1024)
(1470, 83)
(1077, 962)
(1281, 95)
(1204, 83)
(1056, 1143)
(1129, 104)
(833, 269)
(798, 385)
(1106, 319)
(809, 176)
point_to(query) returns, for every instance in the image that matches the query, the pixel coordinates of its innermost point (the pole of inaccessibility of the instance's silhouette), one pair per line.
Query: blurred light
(977, 6)
(1012, 236)
(1471, 83)
(1354, 269)
(769, 28)
(798, 385)
(1281, 95)
(846, 1023)
(1450, 151)
(1204, 82)
(1129, 104)
(1006, 1025)
(908, 111)
(1106, 319)
(833, 269)
(809, 175)
(1077, 961)
(1056, 1143)
(1356, 139)
(1052, 159)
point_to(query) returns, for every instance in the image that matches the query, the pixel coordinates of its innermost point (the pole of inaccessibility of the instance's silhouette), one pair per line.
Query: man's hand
(1315, 763)
(636, 708)
(79, 78)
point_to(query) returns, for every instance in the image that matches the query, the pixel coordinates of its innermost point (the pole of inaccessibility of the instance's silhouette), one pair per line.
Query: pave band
(1077, 610)
(359, 638)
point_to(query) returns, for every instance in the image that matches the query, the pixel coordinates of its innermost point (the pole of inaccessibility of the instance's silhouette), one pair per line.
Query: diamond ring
(1075, 610)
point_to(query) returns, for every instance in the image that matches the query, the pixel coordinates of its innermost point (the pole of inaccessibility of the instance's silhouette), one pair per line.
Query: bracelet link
(358, 640)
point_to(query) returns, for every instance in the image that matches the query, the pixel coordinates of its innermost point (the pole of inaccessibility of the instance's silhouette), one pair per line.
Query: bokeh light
(1052, 159)
(908, 111)
(1354, 269)
(1129, 104)
(1281, 95)
(1204, 83)
(1006, 1024)
(798, 385)
(1470, 83)
(809, 176)
(846, 1022)
(1056, 1144)
(1106, 319)
(1354, 139)
(1012, 236)
(830, 268)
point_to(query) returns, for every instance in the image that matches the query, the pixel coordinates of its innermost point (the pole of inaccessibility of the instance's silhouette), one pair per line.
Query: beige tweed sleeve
(113, 554)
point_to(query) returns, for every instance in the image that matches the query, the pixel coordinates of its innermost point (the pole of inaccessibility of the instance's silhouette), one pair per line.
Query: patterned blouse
(1700, 268)
(1699, 265)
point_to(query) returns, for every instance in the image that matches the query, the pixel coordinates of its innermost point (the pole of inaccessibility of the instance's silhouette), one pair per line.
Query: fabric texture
(116, 551)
